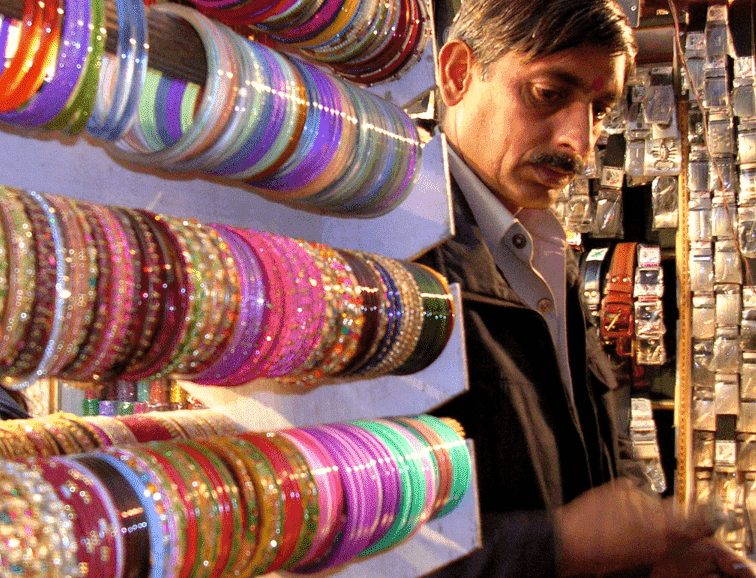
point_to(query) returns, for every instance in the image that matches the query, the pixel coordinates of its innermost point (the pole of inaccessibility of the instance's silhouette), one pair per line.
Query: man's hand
(618, 527)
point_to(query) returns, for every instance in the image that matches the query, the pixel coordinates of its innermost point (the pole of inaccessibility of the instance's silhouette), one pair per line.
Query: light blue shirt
(530, 251)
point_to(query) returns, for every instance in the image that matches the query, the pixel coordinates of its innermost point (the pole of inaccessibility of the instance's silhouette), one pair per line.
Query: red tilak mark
(598, 84)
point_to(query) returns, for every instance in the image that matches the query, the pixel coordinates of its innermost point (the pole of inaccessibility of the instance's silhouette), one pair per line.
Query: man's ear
(455, 63)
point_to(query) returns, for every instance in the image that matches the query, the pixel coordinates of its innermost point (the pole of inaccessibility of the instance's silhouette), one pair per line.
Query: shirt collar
(496, 222)
(493, 218)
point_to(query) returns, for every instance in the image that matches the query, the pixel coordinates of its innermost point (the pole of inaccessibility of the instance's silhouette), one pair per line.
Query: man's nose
(575, 129)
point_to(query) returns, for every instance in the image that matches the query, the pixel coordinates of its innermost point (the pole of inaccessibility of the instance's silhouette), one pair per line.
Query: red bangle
(293, 508)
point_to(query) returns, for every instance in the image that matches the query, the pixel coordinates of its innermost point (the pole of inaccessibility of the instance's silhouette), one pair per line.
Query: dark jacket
(534, 450)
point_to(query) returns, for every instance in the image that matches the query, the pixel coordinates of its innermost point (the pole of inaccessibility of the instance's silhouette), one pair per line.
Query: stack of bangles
(281, 127)
(285, 128)
(366, 41)
(90, 293)
(239, 504)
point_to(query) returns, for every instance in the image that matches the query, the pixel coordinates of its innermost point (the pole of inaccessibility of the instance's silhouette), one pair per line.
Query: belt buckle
(616, 320)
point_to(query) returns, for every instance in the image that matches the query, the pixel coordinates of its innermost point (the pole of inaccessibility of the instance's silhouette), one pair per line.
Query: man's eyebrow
(574, 80)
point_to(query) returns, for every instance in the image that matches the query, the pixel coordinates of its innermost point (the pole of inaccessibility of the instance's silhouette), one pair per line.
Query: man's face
(526, 127)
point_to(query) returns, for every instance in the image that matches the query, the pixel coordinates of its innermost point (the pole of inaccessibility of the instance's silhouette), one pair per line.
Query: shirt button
(545, 305)
(519, 241)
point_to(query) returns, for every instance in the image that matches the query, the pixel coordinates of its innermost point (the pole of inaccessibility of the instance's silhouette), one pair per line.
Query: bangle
(71, 58)
(227, 502)
(308, 490)
(37, 49)
(460, 459)
(22, 274)
(247, 330)
(31, 507)
(114, 110)
(270, 504)
(247, 503)
(75, 114)
(52, 291)
(133, 521)
(293, 519)
(438, 316)
(330, 494)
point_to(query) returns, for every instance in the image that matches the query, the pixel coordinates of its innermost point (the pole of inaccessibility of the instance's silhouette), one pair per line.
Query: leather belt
(617, 309)
(593, 269)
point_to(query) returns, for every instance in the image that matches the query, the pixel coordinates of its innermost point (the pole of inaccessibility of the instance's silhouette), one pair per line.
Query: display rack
(81, 168)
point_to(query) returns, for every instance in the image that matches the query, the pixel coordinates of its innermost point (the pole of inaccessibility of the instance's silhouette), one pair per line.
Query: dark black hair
(540, 28)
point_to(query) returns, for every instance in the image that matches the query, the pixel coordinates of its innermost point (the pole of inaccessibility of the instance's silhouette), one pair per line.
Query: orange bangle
(37, 50)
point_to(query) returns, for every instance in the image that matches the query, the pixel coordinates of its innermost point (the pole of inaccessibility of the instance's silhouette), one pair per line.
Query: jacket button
(519, 241)
(545, 305)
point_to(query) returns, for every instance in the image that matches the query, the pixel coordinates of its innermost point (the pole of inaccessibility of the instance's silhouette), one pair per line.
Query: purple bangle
(390, 482)
(271, 119)
(72, 55)
(247, 331)
(317, 143)
(360, 506)
(168, 109)
(258, 363)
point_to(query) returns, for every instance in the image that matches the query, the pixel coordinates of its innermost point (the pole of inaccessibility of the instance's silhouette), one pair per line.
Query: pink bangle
(262, 359)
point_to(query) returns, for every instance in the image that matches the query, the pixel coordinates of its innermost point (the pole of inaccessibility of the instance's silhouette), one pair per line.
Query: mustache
(559, 160)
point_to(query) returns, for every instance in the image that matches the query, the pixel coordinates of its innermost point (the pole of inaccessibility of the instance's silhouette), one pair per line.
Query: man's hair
(540, 28)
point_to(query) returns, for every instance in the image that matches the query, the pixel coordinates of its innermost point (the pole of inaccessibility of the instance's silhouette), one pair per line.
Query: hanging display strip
(366, 41)
(94, 293)
(289, 131)
(222, 502)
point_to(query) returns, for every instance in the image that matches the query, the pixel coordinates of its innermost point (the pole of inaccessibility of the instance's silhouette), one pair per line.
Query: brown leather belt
(617, 311)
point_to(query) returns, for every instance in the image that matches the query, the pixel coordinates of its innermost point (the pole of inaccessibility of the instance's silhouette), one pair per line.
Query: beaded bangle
(184, 505)
(226, 495)
(102, 538)
(77, 312)
(438, 317)
(270, 505)
(116, 432)
(30, 507)
(22, 274)
(175, 299)
(133, 520)
(53, 289)
(261, 359)
(293, 520)
(251, 300)
(348, 305)
(249, 518)
(330, 494)
(148, 306)
(308, 490)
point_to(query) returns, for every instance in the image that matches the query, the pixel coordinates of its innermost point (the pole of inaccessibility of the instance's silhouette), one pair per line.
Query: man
(525, 86)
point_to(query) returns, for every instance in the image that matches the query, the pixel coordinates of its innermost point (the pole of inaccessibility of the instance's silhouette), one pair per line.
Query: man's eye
(540, 95)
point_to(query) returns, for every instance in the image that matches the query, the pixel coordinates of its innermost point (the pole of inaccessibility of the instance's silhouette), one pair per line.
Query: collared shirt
(530, 251)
